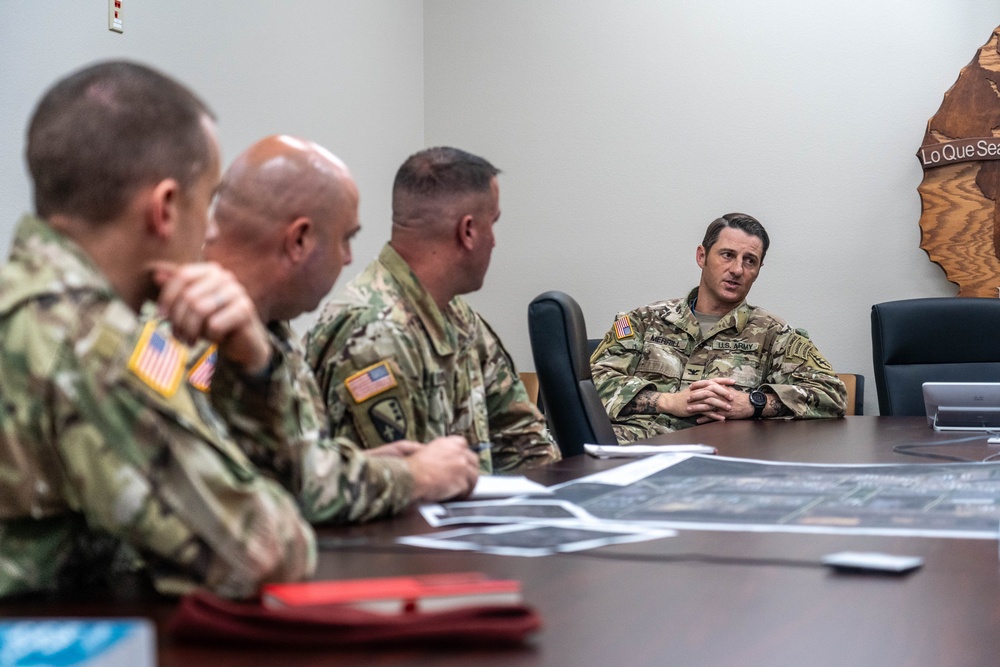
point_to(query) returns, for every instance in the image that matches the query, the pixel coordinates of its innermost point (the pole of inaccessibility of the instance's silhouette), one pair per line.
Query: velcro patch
(819, 362)
(623, 327)
(666, 342)
(389, 419)
(158, 360)
(200, 376)
(736, 345)
(803, 349)
(370, 381)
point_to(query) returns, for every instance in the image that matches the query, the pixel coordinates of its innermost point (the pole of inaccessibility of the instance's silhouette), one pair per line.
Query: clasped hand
(713, 400)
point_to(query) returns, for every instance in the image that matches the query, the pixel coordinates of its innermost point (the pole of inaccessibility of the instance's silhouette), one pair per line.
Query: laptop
(962, 406)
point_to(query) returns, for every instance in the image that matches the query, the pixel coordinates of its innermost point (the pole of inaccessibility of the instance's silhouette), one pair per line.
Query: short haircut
(741, 221)
(443, 171)
(105, 131)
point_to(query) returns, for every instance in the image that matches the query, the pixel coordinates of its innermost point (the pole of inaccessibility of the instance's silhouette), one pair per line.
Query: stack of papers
(636, 451)
(500, 486)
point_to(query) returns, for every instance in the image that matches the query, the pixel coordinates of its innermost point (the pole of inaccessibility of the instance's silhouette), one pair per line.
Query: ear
(299, 239)
(700, 255)
(161, 208)
(467, 232)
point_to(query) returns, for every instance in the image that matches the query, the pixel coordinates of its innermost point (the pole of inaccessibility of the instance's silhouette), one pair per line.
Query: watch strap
(758, 410)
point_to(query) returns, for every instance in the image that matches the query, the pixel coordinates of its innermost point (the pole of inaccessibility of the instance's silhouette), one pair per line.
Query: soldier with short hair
(113, 468)
(711, 356)
(399, 354)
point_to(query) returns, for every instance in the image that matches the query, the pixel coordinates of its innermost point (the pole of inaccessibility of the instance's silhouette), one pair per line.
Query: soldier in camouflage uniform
(711, 356)
(111, 466)
(398, 353)
(286, 212)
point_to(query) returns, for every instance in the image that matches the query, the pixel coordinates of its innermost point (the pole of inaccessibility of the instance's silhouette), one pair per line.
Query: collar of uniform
(283, 337)
(736, 318)
(282, 331)
(442, 335)
(53, 261)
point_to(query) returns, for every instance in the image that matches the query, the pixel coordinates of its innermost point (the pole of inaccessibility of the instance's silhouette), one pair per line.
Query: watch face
(758, 399)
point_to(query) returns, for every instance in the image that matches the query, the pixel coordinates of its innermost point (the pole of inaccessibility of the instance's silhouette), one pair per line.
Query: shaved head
(279, 179)
(286, 210)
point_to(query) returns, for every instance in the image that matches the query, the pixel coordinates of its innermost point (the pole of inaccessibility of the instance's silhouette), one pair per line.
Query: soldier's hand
(400, 448)
(741, 408)
(206, 301)
(711, 399)
(443, 468)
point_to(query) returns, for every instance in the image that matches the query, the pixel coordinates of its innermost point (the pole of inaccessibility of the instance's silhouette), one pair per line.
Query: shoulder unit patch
(389, 420)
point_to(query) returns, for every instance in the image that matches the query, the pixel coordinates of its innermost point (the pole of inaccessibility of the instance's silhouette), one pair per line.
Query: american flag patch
(370, 381)
(623, 327)
(158, 360)
(200, 376)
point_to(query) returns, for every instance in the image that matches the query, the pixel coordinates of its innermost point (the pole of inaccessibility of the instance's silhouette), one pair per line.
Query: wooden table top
(627, 605)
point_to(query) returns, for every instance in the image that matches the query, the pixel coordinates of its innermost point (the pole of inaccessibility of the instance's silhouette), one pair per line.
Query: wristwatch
(758, 400)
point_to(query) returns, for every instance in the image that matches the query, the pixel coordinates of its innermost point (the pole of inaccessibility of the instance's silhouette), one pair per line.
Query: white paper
(536, 539)
(504, 511)
(630, 472)
(500, 486)
(639, 451)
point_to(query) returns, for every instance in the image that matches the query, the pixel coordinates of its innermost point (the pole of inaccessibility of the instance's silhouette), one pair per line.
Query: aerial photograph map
(717, 493)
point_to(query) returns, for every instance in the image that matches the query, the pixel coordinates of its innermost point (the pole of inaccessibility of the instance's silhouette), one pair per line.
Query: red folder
(205, 617)
(398, 594)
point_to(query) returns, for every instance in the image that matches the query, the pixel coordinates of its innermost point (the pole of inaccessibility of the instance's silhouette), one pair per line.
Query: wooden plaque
(960, 192)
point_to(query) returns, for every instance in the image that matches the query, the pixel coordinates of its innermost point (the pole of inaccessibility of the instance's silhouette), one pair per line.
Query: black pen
(480, 446)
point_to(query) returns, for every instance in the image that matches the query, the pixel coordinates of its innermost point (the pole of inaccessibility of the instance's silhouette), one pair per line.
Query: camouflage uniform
(660, 347)
(331, 477)
(392, 365)
(110, 464)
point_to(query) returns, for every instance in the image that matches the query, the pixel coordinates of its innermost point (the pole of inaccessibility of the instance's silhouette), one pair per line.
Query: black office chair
(592, 344)
(950, 339)
(559, 346)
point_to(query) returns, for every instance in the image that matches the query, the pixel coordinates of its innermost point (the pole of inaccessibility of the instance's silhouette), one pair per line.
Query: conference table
(742, 598)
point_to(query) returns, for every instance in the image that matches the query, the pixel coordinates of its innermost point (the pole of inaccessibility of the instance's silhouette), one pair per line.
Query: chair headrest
(560, 311)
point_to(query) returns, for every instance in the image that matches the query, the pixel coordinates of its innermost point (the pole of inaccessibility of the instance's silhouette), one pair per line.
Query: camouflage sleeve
(614, 362)
(332, 479)
(341, 484)
(517, 429)
(256, 408)
(370, 378)
(150, 467)
(803, 379)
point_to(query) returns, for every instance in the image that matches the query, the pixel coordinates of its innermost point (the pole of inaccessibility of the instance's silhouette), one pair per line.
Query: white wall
(345, 73)
(624, 128)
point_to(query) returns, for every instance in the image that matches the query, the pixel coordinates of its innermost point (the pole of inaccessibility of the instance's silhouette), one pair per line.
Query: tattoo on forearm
(644, 403)
(775, 408)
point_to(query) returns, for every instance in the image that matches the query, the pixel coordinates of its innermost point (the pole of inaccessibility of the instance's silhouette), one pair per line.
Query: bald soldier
(711, 356)
(399, 354)
(112, 469)
(286, 212)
